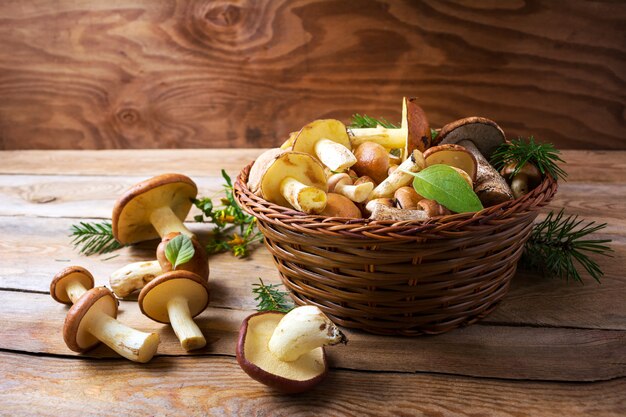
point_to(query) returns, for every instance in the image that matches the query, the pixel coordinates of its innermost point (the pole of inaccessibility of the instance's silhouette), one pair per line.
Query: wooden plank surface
(157, 73)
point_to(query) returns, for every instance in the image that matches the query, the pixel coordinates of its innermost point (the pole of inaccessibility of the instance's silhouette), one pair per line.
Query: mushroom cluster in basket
(331, 170)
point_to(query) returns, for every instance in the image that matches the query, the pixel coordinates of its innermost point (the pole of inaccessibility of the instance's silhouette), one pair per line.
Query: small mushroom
(327, 140)
(382, 212)
(481, 137)
(342, 184)
(388, 202)
(406, 198)
(432, 208)
(372, 161)
(400, 178)
(286, 351)
(133, 277)
(525, 180)
(70, 284)
(340, 206)
(177, 297)
(91, 320)
(289, 179)
(453, 155)
(153, 208)
(363, 179)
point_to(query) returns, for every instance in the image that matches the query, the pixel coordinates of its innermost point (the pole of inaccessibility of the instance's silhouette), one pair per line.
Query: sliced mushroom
(372, 161)
(177, 297)
(153, 208)
(525, 180)
(327, 140)
(453, 155)
(92, 320)
(70, 284)
(342, 184)
(133, 277)
(400, 178)
(481, 137)
(340, 206)
(286, 351)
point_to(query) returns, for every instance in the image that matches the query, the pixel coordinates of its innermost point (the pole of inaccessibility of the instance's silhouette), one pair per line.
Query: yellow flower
(237, 240)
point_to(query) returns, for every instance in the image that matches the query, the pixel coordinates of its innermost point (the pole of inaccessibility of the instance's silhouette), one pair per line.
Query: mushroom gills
(303, 197)
(186, 329)
(165, 221)
(334, 155)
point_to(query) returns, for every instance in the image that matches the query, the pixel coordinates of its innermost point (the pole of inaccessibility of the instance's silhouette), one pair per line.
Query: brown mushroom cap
(418, 130)
(527, 169)
(330, 129)
(131, 214)
(155, 295)
(198, 264)
(453, 155)
(59, 282)
(485, 133)
(407, 198)
(255, 358)
(372, 161)
(335, 179)
(96, 300)
(338, 205)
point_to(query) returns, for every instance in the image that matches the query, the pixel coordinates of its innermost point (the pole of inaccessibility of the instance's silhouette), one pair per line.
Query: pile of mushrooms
(330, 170)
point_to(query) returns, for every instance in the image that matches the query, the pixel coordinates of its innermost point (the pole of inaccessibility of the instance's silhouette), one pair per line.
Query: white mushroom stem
(75, 290)
(357, 193)
(334, 155)
(128, 342)
(133, 277)
(302, 330)
(165, 222)
(389, 138)
(186, 329)
(399, 177)
(303, 197)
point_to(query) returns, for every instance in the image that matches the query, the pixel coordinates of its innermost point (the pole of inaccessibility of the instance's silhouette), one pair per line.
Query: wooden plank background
(88, 74)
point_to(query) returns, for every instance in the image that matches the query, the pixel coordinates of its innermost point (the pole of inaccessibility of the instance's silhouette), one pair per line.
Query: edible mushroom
(177, 297)
(70, 284)
(293, 179)
(92, 320)
(525, 180)
(153, 208)
(406, 198)
(342, 184)
(328, 140)
(372, 161)
(340, 206)
(481, 137)
(133, 277)
(285, 351)
(399, 178)
(452, 155)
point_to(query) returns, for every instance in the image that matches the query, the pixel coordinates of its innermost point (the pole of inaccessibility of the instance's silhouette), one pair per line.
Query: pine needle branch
(270, 298)
(520, 151)
(559, 244)
(93, 238)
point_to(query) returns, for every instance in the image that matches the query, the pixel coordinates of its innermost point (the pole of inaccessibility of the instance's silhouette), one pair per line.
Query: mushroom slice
(454, 156)
(153, 208)
(285, 351)
(328, 140)
(177, 297)
(480, 136)
(290, 179)
(70, 284)
(92, 320)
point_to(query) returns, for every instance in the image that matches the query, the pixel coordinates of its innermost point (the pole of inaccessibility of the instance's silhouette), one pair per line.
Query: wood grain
(182, 74)
(218, 387)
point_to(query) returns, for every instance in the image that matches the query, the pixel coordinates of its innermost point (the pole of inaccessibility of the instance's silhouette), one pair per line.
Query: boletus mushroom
(68, 285)
(289, 179)
(340, 206)
(286, 351)
(342, 184)
(177, 297)
(480, 136)
(91, 320)
(453, 155)
(328, 140)
(525, 180)
(399, 178)
(133, 277)
(372, 161)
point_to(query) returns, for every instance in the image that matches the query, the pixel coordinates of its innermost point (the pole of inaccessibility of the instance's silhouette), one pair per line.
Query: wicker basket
(403, 278)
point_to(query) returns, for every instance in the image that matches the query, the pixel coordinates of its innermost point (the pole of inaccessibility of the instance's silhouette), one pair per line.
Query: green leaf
(447, 187)
(179, 250)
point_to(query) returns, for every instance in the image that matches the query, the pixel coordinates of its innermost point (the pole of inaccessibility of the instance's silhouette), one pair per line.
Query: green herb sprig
(270, 298)
(559, 243)
(520, 151)
(363, 121)
(92, 238)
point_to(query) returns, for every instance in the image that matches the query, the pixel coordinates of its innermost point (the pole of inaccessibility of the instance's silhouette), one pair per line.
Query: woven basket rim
(376, 229)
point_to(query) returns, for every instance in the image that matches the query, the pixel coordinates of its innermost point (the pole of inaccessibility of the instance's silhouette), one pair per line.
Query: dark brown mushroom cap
(155, 295)
(131, 213)
(59, 282)
(75, 335)
(265, 377)
(485, 133)
(418, 128)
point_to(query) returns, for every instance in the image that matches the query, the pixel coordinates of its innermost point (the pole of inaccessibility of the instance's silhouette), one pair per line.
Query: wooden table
(550, 349)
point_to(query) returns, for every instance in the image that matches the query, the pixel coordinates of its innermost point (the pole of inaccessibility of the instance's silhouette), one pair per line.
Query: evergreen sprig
(520, 151)
(270, 298)
(559, 243)
(365, 121)
(94, 238)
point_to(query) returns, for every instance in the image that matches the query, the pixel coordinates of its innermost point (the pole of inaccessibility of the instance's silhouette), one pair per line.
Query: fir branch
(364, 121)
(558, 244)
(270, 298)
(94, 238)
(520, 151)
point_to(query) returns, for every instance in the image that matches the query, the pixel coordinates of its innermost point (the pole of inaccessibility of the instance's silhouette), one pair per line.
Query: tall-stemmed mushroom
(480, 136)
(177, 297)
(342, 184)
(91, 320)
(328, 140)
(399, 178)
(69, 284)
